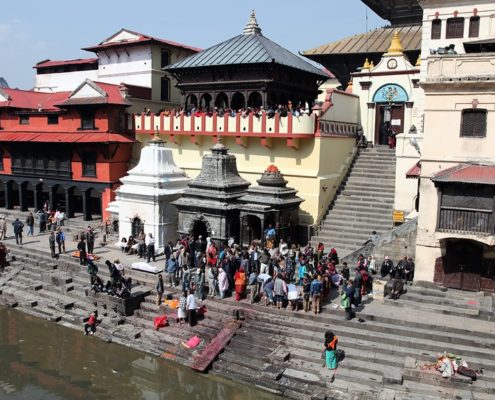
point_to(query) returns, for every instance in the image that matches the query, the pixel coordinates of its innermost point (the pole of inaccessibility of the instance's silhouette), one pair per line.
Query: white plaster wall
(406, 189)
(61, 82)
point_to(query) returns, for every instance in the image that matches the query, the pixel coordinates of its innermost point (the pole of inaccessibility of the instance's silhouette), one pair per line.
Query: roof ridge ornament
(252, 27)
(395, 48)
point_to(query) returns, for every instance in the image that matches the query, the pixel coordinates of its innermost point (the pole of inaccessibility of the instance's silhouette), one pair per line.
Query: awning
(467, 173)
(65, 137)
(414, 172)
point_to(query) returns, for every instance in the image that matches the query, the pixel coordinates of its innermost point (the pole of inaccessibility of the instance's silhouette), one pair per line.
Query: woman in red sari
(240, 284)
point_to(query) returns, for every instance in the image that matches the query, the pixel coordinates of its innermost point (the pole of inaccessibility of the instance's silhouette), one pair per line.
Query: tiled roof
(246, 49)
(467, 173)
(110, 95)
(376, 41)
(141, 40)
(53, 63)
(415, 171)
(31, 100)
(81, 137)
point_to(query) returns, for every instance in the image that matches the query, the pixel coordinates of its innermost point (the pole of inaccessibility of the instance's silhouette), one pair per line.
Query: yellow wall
(320, 161)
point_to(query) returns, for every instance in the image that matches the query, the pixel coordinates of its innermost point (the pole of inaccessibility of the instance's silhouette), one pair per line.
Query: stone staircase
(364, 203)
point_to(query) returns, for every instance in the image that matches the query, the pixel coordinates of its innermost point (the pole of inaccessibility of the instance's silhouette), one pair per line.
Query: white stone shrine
(143, 200)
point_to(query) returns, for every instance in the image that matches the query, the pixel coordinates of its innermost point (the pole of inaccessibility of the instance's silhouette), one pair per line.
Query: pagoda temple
(248, 70)
(209, 206)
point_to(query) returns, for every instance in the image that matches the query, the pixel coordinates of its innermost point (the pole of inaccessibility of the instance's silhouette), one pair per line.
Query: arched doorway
(390, 102)
(200, 226)
(255, 100)
(191, 101)
(14, 193)
(222, 101)
(238, 101)
(77, 200)
(205, 102)
(94, 203)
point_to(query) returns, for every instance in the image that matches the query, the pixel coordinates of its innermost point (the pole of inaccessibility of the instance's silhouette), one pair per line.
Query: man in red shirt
(90, 326)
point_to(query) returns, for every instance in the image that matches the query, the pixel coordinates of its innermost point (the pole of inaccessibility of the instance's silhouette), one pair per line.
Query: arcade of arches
(26, 193)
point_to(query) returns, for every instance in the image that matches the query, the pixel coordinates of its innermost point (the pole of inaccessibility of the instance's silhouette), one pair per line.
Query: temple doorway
(137, 226)
(250, 229)
(199, 228)
(388, 116)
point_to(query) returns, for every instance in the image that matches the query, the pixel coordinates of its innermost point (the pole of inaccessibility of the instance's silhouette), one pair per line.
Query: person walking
(191, 308)
(141, 239)
(60, 239)
(331, 360)
(358, 284)
(171, 269)
(81, 246)
(345, 302)
(18, 227)
(3, 228)
(306, 293)
(150, 247)
(30, 224)
(159, 289)
(90, 239)
(51, 243)
(280, 290)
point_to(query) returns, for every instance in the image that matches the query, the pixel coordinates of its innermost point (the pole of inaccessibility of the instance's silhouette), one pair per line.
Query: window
(52, 119)
(165, 89)
(466, 208)
(87, 120)
(455, 28)
(436, 28)
(88, 164)
(474, 27)
(165, 60)
(473, 123)
(23, 119)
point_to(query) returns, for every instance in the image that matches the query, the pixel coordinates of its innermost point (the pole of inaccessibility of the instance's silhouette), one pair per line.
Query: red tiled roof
(467, 173)
(415, 171)
(142, 39)
(77, 61)
(83, 137)
(113, 96)
(29, 99)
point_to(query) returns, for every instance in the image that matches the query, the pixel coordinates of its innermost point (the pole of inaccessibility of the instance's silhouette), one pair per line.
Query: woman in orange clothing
(240, 283)
(331, 361)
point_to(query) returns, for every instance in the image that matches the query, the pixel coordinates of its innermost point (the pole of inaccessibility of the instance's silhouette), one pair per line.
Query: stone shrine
(270, 202)
(210, 205)
(144, 199)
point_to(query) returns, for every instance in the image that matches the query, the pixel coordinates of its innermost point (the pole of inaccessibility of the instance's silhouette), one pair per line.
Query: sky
(34, 30)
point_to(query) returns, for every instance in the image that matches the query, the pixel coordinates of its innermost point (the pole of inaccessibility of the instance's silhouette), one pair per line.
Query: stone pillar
(86, 206)
(36, 197)
(22, 197)
(69, 212)
(8, 196)
(51, 197)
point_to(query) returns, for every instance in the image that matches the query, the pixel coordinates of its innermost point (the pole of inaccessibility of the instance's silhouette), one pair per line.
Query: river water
(45, 361)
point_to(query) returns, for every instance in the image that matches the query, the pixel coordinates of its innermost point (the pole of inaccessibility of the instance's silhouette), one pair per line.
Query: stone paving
(279, 350)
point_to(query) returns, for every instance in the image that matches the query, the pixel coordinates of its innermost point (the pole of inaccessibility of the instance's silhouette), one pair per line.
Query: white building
(125, 57)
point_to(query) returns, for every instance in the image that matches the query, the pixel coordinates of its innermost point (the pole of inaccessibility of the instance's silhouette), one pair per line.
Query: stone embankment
(278, 350)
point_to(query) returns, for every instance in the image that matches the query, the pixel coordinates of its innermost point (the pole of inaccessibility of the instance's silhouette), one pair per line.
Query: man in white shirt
(191, 308)
(150, 247)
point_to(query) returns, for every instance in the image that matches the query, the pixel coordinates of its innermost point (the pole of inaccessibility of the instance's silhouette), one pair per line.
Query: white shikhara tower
(146, 193)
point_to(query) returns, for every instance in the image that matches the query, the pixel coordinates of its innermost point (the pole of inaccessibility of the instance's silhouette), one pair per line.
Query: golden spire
(395, 46)
(418, 61)
(366, 64)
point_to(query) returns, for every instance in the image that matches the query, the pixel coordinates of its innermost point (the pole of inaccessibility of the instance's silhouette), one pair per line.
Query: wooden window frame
(84, 126)
(436, 29)
(474, 27)
(23, 119)
(163, 79)
(471, 133)
(455, 28)
(89, 163)
(163, 52)
(54, 120)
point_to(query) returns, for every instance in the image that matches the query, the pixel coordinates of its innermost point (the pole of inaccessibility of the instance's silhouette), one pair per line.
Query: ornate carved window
(473, 122)
(87, 120)
(455, 28)
(436, 29)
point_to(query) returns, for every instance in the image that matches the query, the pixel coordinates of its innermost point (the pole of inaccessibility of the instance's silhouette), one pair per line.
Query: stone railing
(238, 125)
(461, 66)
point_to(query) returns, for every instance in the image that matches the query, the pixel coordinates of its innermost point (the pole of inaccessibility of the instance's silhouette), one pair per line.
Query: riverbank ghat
(276, 350)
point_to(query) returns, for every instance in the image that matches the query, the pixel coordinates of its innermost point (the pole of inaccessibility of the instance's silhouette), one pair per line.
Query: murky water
(42, 360)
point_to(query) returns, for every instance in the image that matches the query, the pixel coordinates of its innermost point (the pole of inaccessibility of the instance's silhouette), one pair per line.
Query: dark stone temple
(246, 70)
(270, 202)
(218, 203)
(210, 204)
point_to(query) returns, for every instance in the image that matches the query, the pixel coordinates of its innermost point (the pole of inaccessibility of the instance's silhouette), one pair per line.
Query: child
(90, 326)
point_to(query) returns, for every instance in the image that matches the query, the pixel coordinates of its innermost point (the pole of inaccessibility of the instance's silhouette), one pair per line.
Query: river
(40, 360)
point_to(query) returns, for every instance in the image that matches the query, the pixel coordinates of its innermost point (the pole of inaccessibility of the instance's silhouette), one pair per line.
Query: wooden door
(463, 266)
(397, 118)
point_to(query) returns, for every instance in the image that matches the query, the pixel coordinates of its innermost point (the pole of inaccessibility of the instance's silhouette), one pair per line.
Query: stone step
(366, 194)
(383, 186)
(335, 220)
(440, 308)
(433, 301)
